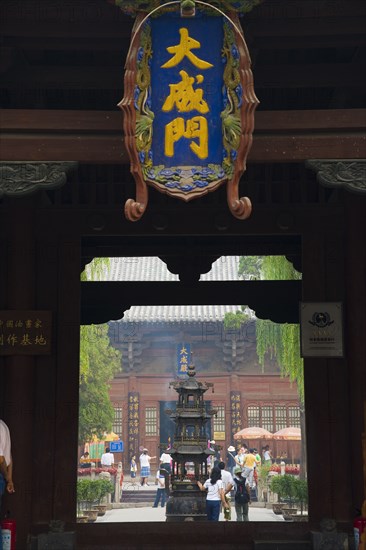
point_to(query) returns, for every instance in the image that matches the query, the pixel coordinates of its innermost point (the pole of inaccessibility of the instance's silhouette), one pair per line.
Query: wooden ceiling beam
(275, 300)
(97, 136)
(52, 77)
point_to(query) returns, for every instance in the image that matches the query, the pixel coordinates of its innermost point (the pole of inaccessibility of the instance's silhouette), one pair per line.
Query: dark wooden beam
(52, 77)
(275, 300)
(96, 136)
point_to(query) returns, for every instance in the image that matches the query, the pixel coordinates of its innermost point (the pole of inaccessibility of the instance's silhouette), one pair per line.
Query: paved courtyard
(158, 514)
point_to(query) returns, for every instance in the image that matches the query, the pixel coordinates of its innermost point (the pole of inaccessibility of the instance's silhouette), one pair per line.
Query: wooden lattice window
(280, 417)
(219, 419)
(151, 421)
(117, 422)
(267, 418)
(253, 416)
(294, 417)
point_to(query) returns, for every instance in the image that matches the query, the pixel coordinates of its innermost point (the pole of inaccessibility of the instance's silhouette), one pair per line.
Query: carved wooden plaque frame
(188, 106)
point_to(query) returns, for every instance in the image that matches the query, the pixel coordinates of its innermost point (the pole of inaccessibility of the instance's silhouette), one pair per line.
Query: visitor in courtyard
(160, 492)
(85, 460)
(165, 462)
(240, 457)
(133, 467)
(6, 465)
(258, 458)
(166, 465)
(217, 457)
(215, 494)
(248, 467)
(267, 456)
(145, 460)
(242, 495)
(228, 482)
(107, 459)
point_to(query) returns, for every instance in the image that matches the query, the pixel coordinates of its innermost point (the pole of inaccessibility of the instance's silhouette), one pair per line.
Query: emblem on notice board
(188, 106)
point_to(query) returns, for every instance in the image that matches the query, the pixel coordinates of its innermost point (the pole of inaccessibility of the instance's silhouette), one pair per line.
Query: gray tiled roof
(154, 269)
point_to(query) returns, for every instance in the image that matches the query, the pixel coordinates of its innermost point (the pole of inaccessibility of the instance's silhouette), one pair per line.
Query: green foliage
(106, 487)
(92, 490)
(99, 362)
(301, 492)
(278, 341)
(250, 267)
(82, 488)
(263, 471)
(281, 341)
(284, 486)
(233, 321)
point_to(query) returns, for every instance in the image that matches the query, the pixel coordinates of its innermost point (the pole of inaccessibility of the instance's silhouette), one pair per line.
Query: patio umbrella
(290, 434)
(110, 437)
(253, 433)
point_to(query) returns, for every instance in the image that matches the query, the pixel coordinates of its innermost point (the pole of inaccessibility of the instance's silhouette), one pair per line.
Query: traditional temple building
(65, 178)
(156, 343)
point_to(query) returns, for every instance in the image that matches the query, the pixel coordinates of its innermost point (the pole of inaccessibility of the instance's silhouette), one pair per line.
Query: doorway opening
(248, 393)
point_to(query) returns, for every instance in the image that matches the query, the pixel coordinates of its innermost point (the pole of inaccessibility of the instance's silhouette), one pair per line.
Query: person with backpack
(242, 495)
(215, 494)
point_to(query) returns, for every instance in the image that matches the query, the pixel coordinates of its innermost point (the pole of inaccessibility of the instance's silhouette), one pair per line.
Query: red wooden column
(17, 376)
(47, 288)
(355, 331)
(326, 381)
(67, 378)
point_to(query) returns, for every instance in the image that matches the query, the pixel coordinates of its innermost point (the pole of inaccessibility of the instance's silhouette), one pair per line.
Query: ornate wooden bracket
(24, 178)
(349, 174)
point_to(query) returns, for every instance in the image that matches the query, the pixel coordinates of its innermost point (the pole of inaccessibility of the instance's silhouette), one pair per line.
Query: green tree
(281, 341)
(99, 362)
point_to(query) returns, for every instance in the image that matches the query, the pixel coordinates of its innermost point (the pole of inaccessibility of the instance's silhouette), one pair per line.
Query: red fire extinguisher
(8, 533)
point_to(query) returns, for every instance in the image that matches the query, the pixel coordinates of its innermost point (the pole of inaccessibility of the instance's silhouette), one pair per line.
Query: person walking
(249, 464)
(133, 467)
(160, 492)
(242, 495)
(215, 494)
(228, 482)
(145, 460)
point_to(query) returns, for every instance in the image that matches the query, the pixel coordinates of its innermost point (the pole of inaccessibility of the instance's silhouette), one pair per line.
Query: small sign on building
(183, 358)
(321, 328)
(116, 446)
(25, 332)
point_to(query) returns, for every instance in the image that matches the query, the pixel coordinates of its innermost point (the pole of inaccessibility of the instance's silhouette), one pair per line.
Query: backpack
(241, 493)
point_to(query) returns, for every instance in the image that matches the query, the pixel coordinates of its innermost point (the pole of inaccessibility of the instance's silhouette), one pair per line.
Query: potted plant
(263, 472)
(93, 497)
(301, 494)
(81, 496)
(276, 487)
(105, 487)
(289, 495)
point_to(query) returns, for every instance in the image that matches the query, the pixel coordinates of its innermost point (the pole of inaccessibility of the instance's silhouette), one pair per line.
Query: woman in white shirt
(215, 494)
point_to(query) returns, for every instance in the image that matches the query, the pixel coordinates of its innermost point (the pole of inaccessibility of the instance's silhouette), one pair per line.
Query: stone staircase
(137, 496)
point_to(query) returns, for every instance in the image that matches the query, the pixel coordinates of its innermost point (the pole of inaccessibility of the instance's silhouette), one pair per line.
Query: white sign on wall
(321, 328)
